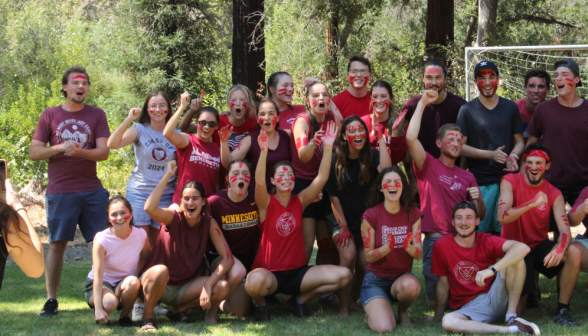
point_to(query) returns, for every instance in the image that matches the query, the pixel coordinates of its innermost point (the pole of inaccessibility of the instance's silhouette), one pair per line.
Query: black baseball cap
(465, 205)
(570, 64)
(485, 65)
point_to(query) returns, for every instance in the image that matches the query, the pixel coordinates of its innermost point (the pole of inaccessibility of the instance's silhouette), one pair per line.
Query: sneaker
(160, 311)
(261, 314)
(50, 308)
(125, 322)
(331, 300)
(564, 318)
(525, 327)
(137, 313)
(299, 309)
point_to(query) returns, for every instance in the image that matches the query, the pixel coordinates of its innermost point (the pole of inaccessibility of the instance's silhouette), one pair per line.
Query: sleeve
(99, 238)
(496, 244)
(438, 264)
(517, 123)
(418, 173)
(370, 216)
(581, 198)
(554, 193)
(398, 149)
(188, 148)
(331, 185)
(43, 130)
(415, 215)
(462, 120)
(534, 127)
(102, 130)
(212, 205)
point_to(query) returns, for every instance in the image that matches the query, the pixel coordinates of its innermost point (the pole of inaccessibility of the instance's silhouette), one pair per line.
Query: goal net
(513, 62)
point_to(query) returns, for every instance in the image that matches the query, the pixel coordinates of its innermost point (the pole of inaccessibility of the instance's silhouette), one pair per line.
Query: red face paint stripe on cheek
(232, 104)
(246, 178)
(398, 185)
(282, 92)
(385, 186)
(261, 120)
(233, 179)
(127, 217)
(279, 179)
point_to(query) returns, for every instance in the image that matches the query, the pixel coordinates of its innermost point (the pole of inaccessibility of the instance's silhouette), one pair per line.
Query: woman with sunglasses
(198, 157)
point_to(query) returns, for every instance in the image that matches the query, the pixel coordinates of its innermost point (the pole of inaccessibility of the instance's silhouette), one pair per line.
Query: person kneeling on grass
(389, 225)
(116, 255)
(467, 266)
(170, 272)
(280, 265)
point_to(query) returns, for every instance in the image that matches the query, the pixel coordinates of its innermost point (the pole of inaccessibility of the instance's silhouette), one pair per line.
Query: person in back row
(536, 84)
(280, 89)
(441, 183)
(356, 99)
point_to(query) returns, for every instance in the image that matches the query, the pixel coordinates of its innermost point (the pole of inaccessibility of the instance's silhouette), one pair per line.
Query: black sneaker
(50, 308)
(299, 309)
(564, 318)
(125, 322)
(261, 314)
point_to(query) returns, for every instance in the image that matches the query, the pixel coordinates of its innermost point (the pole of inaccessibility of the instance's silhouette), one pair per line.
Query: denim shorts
(374, 287)
(138, 199)
(66, 211)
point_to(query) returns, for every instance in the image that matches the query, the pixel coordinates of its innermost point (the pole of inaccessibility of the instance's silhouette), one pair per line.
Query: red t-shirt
(282, 239)
(533, 226)
(349, 105)
(397, 146)
(308, 170)
(68, 174)
(526, 116)
(460, 265)
(564, 130)
(398, 261)
(440, 188)
(288, 116)
(180, 248)
(238, 221)
(200, 162)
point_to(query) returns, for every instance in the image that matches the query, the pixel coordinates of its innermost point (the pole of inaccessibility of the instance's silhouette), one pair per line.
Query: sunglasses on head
(211, 124)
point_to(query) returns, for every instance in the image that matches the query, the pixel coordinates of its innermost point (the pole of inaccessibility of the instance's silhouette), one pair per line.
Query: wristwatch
(493, 269)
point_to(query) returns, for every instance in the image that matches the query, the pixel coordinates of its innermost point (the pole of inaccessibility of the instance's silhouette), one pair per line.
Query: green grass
(22, 298)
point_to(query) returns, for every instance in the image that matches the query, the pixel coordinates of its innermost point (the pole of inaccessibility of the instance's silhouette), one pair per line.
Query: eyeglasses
(210, 124)
(355, 72)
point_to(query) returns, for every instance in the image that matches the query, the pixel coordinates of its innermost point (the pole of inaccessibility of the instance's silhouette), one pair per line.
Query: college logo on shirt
(286, 224)
(73, 129)
(204, 159)
(465, 272)
(542, 207)
(452, 181)
(159, 154)
(399, 233)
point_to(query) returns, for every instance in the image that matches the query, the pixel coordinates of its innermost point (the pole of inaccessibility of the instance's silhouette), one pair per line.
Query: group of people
(222, 211)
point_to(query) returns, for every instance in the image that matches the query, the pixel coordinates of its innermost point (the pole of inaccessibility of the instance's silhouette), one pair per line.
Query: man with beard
(526, 200)
(536, 88)
(441, 184)
(491, 128)
(77, 136)
(467, 266)
(356, 99)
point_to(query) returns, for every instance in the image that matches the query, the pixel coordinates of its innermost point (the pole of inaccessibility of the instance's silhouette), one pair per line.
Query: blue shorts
(374, 287)
(491, 194)
(66, 211)
(138, 199)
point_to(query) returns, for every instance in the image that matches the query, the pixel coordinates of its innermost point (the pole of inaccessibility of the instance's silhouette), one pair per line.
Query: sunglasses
(211, 124)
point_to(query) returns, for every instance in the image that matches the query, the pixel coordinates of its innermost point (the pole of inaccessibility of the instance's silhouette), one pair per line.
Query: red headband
(538, 153)
(79, 77)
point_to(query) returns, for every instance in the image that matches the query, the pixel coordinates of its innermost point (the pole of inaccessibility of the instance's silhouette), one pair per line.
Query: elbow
(33, 155)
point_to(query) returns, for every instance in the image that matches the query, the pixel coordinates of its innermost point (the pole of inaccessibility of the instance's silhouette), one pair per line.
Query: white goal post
(514, 61)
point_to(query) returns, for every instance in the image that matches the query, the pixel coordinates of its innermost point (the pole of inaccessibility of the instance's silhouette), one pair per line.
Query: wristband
(493, 269)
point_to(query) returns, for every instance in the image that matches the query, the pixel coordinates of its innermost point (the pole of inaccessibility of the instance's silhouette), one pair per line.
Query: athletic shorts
(488, 307)
(333, 228)
(430, 278)
(138, 199)
(491, 194)
(374, 287)
(66, 211)
(89, 289)
(534, 262)
(289, 282)
(316, 210)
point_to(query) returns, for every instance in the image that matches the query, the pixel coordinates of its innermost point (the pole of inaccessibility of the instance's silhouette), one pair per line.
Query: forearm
(305, 153)
(152, 202)
(260, 170)
(412, 133)
(519, 148)
(377, 254)
(338, 211)
(475, 153)
(226, 156)
(385, 159)
(481, 208)
(37, 153)
(96, 154)
(325, 167)
(515, 254)
(170, 126)
(116, 136)
(97, 290)
(507, 216)
(187, 120)
(24, 217)
(576, 216)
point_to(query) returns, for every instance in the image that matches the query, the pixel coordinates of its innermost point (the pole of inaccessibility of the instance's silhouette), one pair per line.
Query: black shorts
(289, 282)
(333, 228)
(211, 255)
(316, 210)
(570, 195)
(534, 262)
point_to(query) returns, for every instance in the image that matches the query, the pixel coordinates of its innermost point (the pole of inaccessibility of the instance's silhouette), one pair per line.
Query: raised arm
(225, 265)
(186, 125)
(506, 213)
(121, 136)
(385, 159)
(305, 146)
(262, 197)
(164, 216)
(415, 148)
(180, 140)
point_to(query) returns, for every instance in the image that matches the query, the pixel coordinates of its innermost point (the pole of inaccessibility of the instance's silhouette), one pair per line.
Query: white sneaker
(137, 313)
(159, 311)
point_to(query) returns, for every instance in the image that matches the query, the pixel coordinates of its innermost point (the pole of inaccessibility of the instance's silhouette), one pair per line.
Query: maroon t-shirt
(349, 105)
(68, 174)
(398, 261)
(564, 130)
(200, 162)
(238, 221)
(288, 116)
(281, 153)
(434, 116)
(180, 248)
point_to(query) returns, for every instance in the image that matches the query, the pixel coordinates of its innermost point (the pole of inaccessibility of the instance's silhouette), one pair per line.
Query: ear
(547, 166)
(438, 143)
(477, 221)
(272, 181)
(576, 80)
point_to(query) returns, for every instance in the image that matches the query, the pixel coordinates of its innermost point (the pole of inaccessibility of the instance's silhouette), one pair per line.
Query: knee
(382, 327)
(131, 284)
(255, 282)
(411, 288)
(347, 257)
(222, 289)
(237, 274)
(109, 303)
(345, 276)
(573, 254)
(58, 246)
(449, 323)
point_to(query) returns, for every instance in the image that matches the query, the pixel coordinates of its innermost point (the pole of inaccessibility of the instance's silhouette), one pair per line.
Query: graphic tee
(282, 240)
(238, 222)
(533, 226)
(68, 174)
(349, 105)
(397, 146)
(281, 153)
(199, 161)
(288, 116)
(440, 188)
(398, 261)
(460, 265)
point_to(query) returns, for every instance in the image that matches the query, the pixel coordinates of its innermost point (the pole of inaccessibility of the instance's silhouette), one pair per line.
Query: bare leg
(191, 298)
(458, 323)
(53, 267)
(346, 259)
(380, 316)
(109, 301)
(238, 305)
(322, 280)
(406, 290)
(128, 291)
(515, 279)
(309, 230)
(570, 272)
(154, 281)
(260, 283)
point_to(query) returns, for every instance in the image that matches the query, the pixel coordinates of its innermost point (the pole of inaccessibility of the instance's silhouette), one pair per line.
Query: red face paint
(351, 139)
(285, 169)
(528, 167)
(448, 134)
(315, 102)
(540, 168)
(274, 121)
(151, 111)
(407, 241)
(279, 179)
(240, 164)
(448, 142)
(113, 220)
(434, 71)
(282, 92)
(80, 77)
(398, 185)
(233, 179)
(569, 82)
(562, 246)
(385, 186)
(127, 217)
(164, 111)
(261, 120)
(245, 104)
(246, 178)
(240, 194)
(232, 104)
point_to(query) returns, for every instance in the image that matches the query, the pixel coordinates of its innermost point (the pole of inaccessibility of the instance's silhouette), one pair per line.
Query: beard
(466, 235)
(77, 100)
(532, 180)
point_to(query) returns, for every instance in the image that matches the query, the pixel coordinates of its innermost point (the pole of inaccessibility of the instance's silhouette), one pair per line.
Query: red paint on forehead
(486, 73)
(240, 164)
(80, 77)
(284, 168)
(434, 70)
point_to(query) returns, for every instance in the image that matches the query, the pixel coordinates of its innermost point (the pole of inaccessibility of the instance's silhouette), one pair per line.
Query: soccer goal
(513, 62)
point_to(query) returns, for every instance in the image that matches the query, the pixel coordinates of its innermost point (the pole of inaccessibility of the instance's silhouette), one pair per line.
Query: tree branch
(542, 19)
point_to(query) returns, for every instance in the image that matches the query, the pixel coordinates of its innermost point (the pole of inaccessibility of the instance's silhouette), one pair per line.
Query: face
(391, 186)
(157, 108)
(267, 116)
(284, 89)
(283, 178)
(535, 168)
(359, 75)
(205, 132)
(77, 87)
(434, 78)
(465, 222)
(564, 81)
(536, 90)
(487, 82)
(451, 144)
(380, 100)
(239, 178)
(355, 134)
(192, 203)
(319, 99)
(238, 104)
(119, 215)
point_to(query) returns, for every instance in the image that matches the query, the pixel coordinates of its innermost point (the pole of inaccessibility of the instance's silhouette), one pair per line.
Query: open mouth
(191, 210)
(560, 86)
(238, 111)
(80, 94)
(321, 105)
(392, 192)
(267, 123)
(241, 185)
(534, 173)
(358, 142)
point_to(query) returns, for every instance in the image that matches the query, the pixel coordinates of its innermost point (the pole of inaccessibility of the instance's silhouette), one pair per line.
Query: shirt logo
(542, 207)
(286, 224)
(159, 154)
(73, 129)
(483, 63)
(465, 272)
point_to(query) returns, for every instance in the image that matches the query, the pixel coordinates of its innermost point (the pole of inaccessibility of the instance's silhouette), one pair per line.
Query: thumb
(501, 147)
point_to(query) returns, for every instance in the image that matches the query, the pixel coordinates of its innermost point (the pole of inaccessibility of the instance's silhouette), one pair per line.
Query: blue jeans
(138, 199)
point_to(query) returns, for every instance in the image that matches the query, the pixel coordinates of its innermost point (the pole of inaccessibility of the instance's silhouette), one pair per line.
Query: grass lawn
(21, 300)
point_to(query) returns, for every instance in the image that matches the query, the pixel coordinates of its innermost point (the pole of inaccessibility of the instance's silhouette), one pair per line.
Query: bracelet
(493, 269)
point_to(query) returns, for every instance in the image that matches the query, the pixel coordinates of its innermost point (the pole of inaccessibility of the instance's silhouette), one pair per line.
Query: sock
(558, 292)
(508, 316)
(561, 306)
(514, 329)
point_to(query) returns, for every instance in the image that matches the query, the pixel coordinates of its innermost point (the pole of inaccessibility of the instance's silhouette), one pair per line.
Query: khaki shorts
(89, 289)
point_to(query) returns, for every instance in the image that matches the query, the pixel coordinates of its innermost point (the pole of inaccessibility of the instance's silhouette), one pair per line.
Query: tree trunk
(332, 69)
(470, 32)
(248, 54)
(487, 23)
(440, 23)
